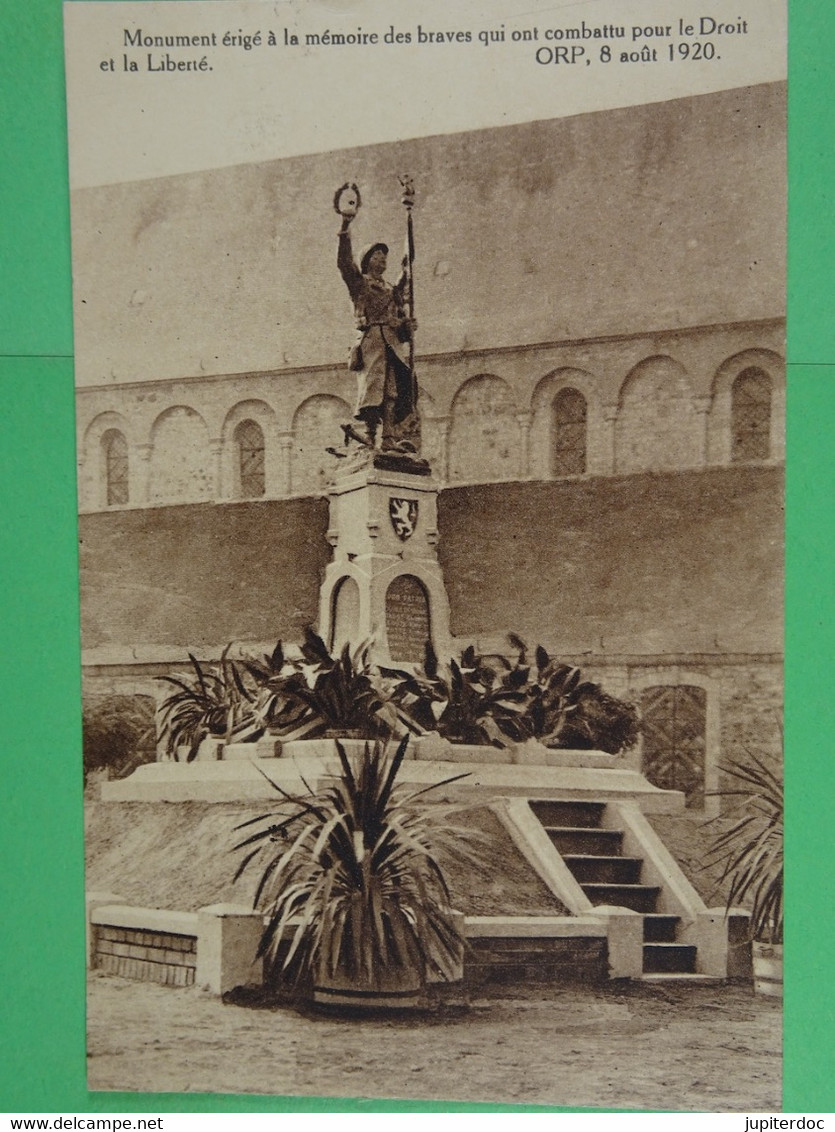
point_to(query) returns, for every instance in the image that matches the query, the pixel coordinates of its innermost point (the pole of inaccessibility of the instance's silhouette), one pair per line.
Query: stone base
(401, 462)
(241, 780)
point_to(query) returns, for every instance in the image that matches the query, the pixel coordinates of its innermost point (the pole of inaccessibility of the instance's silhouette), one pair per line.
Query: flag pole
(408, 200)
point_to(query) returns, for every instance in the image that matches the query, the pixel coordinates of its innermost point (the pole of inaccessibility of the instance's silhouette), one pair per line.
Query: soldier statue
(384, 345)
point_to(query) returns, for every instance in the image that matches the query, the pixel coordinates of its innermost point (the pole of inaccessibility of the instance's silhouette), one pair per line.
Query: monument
(385, 580)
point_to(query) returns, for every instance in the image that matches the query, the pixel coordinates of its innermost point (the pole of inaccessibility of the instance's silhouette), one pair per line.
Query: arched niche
(345, 613)
(316, 427)
(93, 450)
(560, 423)
(749, 389)
(249, 451)
(181, 465)
(484, 438)
(657, 426)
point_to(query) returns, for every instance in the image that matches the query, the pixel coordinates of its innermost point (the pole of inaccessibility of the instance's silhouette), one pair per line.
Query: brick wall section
(751, 714)
(171, 959)
(159, 957)
(652, 563)
(515, 960)
(201, 574)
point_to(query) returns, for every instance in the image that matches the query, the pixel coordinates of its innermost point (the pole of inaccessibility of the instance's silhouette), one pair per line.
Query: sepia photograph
(431, 522)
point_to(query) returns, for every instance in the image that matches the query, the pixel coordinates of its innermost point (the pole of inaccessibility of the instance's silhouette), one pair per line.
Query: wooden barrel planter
(398, 990)
(768, 969)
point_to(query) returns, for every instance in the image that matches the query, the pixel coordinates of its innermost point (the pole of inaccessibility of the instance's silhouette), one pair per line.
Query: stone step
(589, 868)
(585, 841)
(679, 958)
(681, 978)
(558, 812)
(638, 897)
(510, 945)
(659, 928)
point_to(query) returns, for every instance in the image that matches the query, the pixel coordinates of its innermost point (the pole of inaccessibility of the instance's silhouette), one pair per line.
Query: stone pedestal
(385, 580)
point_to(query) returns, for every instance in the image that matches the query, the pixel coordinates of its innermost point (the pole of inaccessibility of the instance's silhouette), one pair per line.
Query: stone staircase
(594, 855)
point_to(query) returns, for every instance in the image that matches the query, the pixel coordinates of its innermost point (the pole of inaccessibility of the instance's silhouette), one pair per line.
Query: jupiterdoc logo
(771, 1123)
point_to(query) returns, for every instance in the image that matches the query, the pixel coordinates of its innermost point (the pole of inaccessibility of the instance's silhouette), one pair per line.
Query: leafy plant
(750, 852)
(600, 722)
(305, 692)
(276, 709)
(467, 702)
(118, 734)
(321, 693)
(551, 690)
(491, 699)
(565, 711)
(213, 702)
(350, 881)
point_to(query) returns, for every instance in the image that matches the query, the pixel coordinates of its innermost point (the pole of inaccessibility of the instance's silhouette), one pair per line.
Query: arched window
(115, 450)
(568, 424)
(250, 441)
(674, 732)
(751, 416)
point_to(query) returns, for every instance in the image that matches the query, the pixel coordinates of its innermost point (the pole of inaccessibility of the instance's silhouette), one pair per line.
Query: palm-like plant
(213, 702)
(350, 882)
(750, 852)
(551, 692)
(564, 710)
(274, 675)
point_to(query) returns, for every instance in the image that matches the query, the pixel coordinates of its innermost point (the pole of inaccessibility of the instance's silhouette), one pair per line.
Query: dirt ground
(668, 1048)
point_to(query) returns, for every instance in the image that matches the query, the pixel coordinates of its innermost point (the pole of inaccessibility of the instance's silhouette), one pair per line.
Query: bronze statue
(384, 346)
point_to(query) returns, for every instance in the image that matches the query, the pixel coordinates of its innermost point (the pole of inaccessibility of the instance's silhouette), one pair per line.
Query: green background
(42, 950)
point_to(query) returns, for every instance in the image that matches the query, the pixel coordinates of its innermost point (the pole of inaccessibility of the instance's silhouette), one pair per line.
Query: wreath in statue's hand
(347, 200)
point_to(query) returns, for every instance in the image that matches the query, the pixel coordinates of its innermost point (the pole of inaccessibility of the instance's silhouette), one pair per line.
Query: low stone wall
(507, 961)
(521, 949)
(215, 947)
(157, 957)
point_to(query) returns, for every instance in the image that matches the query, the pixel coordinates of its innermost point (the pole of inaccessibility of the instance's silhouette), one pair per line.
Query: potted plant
(750, 854)
(356, 906)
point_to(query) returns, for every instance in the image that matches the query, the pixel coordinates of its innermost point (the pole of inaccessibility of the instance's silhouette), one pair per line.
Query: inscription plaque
(407, 619)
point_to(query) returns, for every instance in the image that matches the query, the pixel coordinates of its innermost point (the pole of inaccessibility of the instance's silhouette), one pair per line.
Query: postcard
(430, 395)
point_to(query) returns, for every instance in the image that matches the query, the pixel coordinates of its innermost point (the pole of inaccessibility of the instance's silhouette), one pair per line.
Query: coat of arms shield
(403, 514)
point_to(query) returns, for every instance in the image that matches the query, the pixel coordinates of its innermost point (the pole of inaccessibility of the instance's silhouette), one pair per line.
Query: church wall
(196, 576)
(657, 401)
